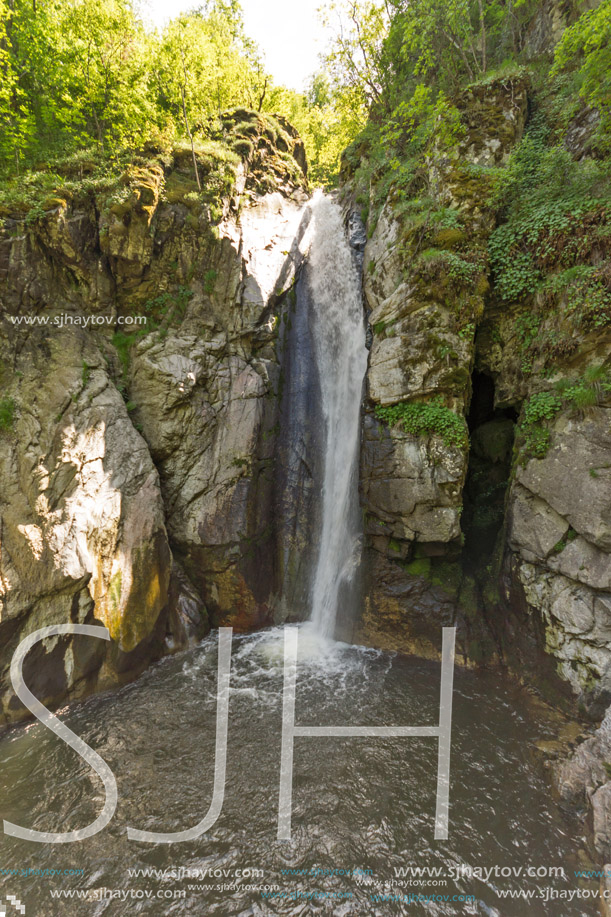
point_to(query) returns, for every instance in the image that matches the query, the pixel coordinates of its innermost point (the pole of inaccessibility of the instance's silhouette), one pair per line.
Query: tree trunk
(482, 34)
(184, 114)
(262, 96)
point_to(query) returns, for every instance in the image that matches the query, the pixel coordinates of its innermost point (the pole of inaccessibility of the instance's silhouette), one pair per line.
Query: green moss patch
(7, 413)
(419, 567)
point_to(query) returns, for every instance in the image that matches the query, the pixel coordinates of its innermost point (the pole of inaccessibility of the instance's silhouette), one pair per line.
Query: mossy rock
(243, 148)
(240, 114)
(447, 576)
(483, 285)
(246, 129)
(15, 209)
(123, 207)
(421, 566)
(457, 379)
(469, 599)
(448, 238)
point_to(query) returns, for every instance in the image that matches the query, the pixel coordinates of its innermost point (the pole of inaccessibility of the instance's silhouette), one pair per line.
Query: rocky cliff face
(504, 532)
(424, 312)
(135, 460)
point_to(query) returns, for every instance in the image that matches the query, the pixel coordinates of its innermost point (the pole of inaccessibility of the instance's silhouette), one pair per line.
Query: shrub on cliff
(585, 49)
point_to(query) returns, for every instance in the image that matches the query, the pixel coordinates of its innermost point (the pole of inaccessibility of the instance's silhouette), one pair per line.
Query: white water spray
(341, 356)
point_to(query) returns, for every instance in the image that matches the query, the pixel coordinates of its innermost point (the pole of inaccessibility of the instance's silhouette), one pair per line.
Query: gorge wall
(137, 486)
(511, 532)
(158, 478)
(485, 469)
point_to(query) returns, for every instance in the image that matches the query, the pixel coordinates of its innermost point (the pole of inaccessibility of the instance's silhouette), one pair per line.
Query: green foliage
(388, 157)
(74, 71)
(568, 278)
(166, 308)
(535, 436)
(527, 327)
(576, 395)
(77, 73)
(323, 121)
(577, 300)
(243, 148)
(587, 391)
(461, 271)
(555, 211)
(415, 120)
(535, 443)
(354, 68)
(409, 80)
(122, 343)
(30, 193)
(7, 413)
(457, 40)
(542, 406)
(76, 177)
(446, 218)
(425, 418)
(569, 535)
(83, 73)
(421, 566)
(585, 48)
(594, 298)
(86, 373)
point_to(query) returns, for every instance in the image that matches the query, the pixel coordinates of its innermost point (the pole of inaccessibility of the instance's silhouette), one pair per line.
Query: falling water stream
(363, 809)
(341, 356)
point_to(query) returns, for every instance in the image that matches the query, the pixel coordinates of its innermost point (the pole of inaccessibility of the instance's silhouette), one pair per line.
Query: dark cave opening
(491, 431)
(482, 407)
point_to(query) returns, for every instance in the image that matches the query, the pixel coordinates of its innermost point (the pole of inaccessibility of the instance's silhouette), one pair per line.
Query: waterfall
(341, 359)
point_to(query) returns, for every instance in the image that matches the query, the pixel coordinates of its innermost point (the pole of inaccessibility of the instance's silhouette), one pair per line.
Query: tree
(203, 52)
(21, 40)
(438, 32)
(74, 72)
(354, 59)
(585, 48)
(104, 79)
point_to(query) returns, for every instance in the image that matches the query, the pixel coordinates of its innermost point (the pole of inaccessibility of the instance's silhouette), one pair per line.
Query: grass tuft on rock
(7, 413)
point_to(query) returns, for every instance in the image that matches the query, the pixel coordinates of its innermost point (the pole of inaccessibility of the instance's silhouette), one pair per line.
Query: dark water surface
(358, 804)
